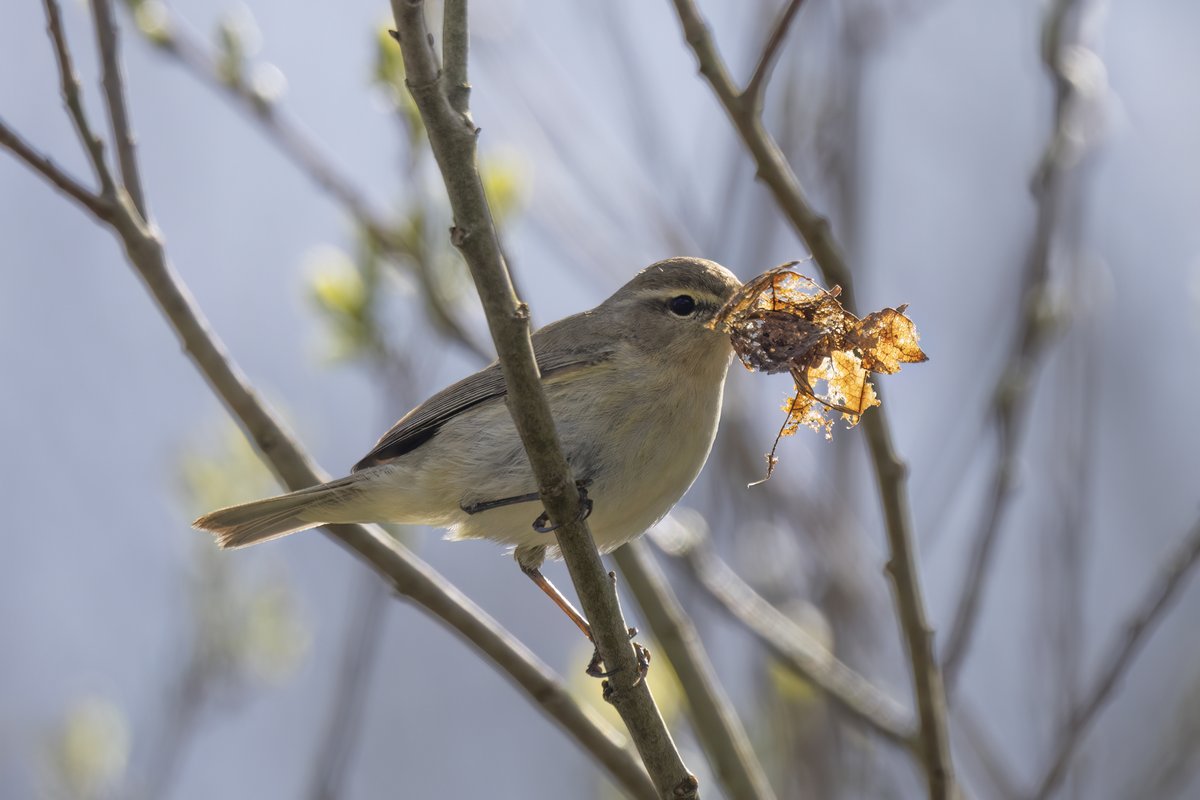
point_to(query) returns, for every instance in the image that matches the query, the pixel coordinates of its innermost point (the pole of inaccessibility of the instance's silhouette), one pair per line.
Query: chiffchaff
(635, 389)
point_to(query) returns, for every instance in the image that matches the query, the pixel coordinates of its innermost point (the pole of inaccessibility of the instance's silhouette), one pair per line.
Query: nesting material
(782, 321)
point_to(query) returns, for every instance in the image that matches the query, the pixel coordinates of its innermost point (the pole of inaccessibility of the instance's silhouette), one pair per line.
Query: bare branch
(69, 84)
(1141, 623)
(100, 207)
(716, 723)
(1038, 325)
(794, 648)
(114, 93)
(891, 472)
(756, 88)
(452, 137)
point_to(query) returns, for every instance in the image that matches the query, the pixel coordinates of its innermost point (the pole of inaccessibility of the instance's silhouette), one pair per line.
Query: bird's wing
(419, 425)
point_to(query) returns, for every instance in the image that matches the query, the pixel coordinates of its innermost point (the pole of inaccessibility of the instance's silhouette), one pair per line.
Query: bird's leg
(542, 523)
(594, 666)
(488, 505)
(558, 599)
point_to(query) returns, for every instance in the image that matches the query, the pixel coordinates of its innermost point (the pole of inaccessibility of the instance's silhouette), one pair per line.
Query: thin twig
(406, 573)
(69, 85)
(105, 24)
(796, 649)
(714, 719)
(1141, 623)
(1039, 324)
(452, 136)
(756, 87)
(42, 164)
(890, 471)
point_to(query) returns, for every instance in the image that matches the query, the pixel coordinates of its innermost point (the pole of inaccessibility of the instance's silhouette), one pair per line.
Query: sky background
(624, 157)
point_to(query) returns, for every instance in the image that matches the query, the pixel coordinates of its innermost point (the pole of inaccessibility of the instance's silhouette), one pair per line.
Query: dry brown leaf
(887, 338)
(782, 321)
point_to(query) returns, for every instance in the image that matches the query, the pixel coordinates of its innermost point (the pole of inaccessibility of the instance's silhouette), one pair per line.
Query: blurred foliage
(151, 19)
(252, 629)
(387, 75)
(345, 292)
(237, 37)
(504, 180)
(89, 753)
(222, 471)
(247, 633)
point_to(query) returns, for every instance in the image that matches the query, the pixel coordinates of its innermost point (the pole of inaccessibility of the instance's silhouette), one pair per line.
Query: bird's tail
(261, 520)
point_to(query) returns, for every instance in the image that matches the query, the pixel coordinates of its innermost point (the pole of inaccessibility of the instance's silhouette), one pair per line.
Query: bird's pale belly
(656, 467)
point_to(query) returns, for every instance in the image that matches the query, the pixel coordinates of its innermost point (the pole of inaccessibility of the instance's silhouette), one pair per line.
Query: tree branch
(69, 85)
(406, 573)
(452, 137)
(69, 185)
(714, 720)
(1139, 625)
(756, 87)
(890, 471)
(114, 92)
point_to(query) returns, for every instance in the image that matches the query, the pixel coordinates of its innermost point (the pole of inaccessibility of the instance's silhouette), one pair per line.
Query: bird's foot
(595, 667)
(542, 523)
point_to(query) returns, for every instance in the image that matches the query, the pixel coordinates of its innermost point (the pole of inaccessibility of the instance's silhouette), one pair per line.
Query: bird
(635, 387)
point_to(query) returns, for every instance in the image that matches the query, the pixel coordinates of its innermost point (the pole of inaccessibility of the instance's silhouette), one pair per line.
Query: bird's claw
(542, 523)
(596, 670)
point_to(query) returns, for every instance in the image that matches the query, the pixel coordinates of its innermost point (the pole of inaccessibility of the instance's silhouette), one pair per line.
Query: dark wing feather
(422, 423)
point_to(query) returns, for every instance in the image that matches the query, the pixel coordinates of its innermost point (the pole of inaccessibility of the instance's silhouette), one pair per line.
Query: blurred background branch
(1074, 69)
(784, 639)
(890, 471)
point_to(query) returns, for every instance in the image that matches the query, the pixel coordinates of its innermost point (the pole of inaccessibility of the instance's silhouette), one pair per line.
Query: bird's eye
(682, 305)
